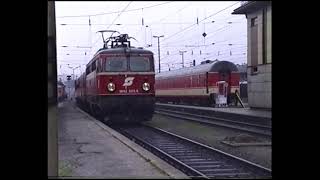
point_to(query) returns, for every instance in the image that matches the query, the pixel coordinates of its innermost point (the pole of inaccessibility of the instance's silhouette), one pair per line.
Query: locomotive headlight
(111, 87)
(146, 86)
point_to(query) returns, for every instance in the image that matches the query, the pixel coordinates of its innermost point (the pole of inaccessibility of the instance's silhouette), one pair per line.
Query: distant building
(259, 22)
(63, 77)
(61, 91)
(243, 72)
(69, 84)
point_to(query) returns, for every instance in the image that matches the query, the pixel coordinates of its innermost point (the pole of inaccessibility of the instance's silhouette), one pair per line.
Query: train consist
(118, 84)
(211, 83)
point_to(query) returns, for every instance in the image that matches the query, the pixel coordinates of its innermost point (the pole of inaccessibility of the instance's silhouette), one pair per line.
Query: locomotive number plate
(129, 91)
(133, 90)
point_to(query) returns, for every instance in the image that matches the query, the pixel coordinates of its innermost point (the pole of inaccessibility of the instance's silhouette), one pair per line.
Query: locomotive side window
(138, 63)
(88, 70)
(93, 66)
(98, 62)
(116, 64)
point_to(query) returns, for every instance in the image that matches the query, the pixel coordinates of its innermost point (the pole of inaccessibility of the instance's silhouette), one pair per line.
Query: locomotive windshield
(119, 64)
(138, 63)
(116, 64)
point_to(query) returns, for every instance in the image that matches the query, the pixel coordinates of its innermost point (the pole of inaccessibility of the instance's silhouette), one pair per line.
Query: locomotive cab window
(138, 63)
(88, 70)
(98, 63)
(93, 65)
(115, 64)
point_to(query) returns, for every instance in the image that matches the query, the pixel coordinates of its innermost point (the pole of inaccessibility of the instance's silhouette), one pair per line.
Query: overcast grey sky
(176, 20)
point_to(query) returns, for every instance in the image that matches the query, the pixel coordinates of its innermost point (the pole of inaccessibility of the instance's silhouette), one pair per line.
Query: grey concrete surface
(233, 110)
(88, 148)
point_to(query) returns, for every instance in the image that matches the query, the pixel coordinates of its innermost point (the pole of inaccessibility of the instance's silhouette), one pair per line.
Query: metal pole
(182, 61)
(145, 35)
(90, 35)
(73, 94)
(159, 52)
(159, 48)
(181, 53)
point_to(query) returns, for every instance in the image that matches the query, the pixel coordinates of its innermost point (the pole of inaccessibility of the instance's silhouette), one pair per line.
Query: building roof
(119, 50)
(251, 6)
(213, 66)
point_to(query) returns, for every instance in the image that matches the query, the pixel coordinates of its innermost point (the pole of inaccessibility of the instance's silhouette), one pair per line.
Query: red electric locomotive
(118, 84)
(210, 83)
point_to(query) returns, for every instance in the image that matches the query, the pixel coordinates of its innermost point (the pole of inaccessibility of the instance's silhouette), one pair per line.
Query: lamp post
(181, 53)
(73, 78)
(74, 69)
(159, 48)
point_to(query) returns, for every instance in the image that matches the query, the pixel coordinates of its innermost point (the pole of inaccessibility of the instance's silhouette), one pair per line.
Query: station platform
(232, 110)
(89, 148)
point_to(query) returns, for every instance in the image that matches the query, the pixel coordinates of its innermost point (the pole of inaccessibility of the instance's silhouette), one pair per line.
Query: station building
(259, 62)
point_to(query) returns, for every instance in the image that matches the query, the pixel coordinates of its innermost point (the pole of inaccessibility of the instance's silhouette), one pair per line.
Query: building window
(254, 43)
(264, 36)
(254, 21)
(254, 70)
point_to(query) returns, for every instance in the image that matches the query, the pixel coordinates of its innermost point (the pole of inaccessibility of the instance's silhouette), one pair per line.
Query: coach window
(139, 63)
(116, 64)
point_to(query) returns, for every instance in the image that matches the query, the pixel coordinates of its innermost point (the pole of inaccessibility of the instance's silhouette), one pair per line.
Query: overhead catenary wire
(211, 33)
(171, 14)
(137, 9)
(199, 22)
(170, 23)
(215, 31)
(164, 59)
(113, 21)
(168, 46)
(217, 45)
(119, 15)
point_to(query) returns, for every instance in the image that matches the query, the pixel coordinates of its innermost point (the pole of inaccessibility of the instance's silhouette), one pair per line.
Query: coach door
(223, 88)
(221, 98)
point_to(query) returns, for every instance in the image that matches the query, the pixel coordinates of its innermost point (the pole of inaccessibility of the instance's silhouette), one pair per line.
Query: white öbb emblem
(128, 81)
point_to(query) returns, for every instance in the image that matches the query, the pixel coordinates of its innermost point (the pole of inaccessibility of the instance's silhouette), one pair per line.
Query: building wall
(260, 83)
(259, 87)
(269, 35)
(52, 94)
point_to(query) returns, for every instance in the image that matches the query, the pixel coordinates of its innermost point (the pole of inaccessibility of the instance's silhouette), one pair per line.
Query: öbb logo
(128, 81)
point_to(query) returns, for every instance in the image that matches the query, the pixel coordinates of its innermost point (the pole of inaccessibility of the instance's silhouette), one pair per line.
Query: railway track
(250, 127)
(194, 159)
